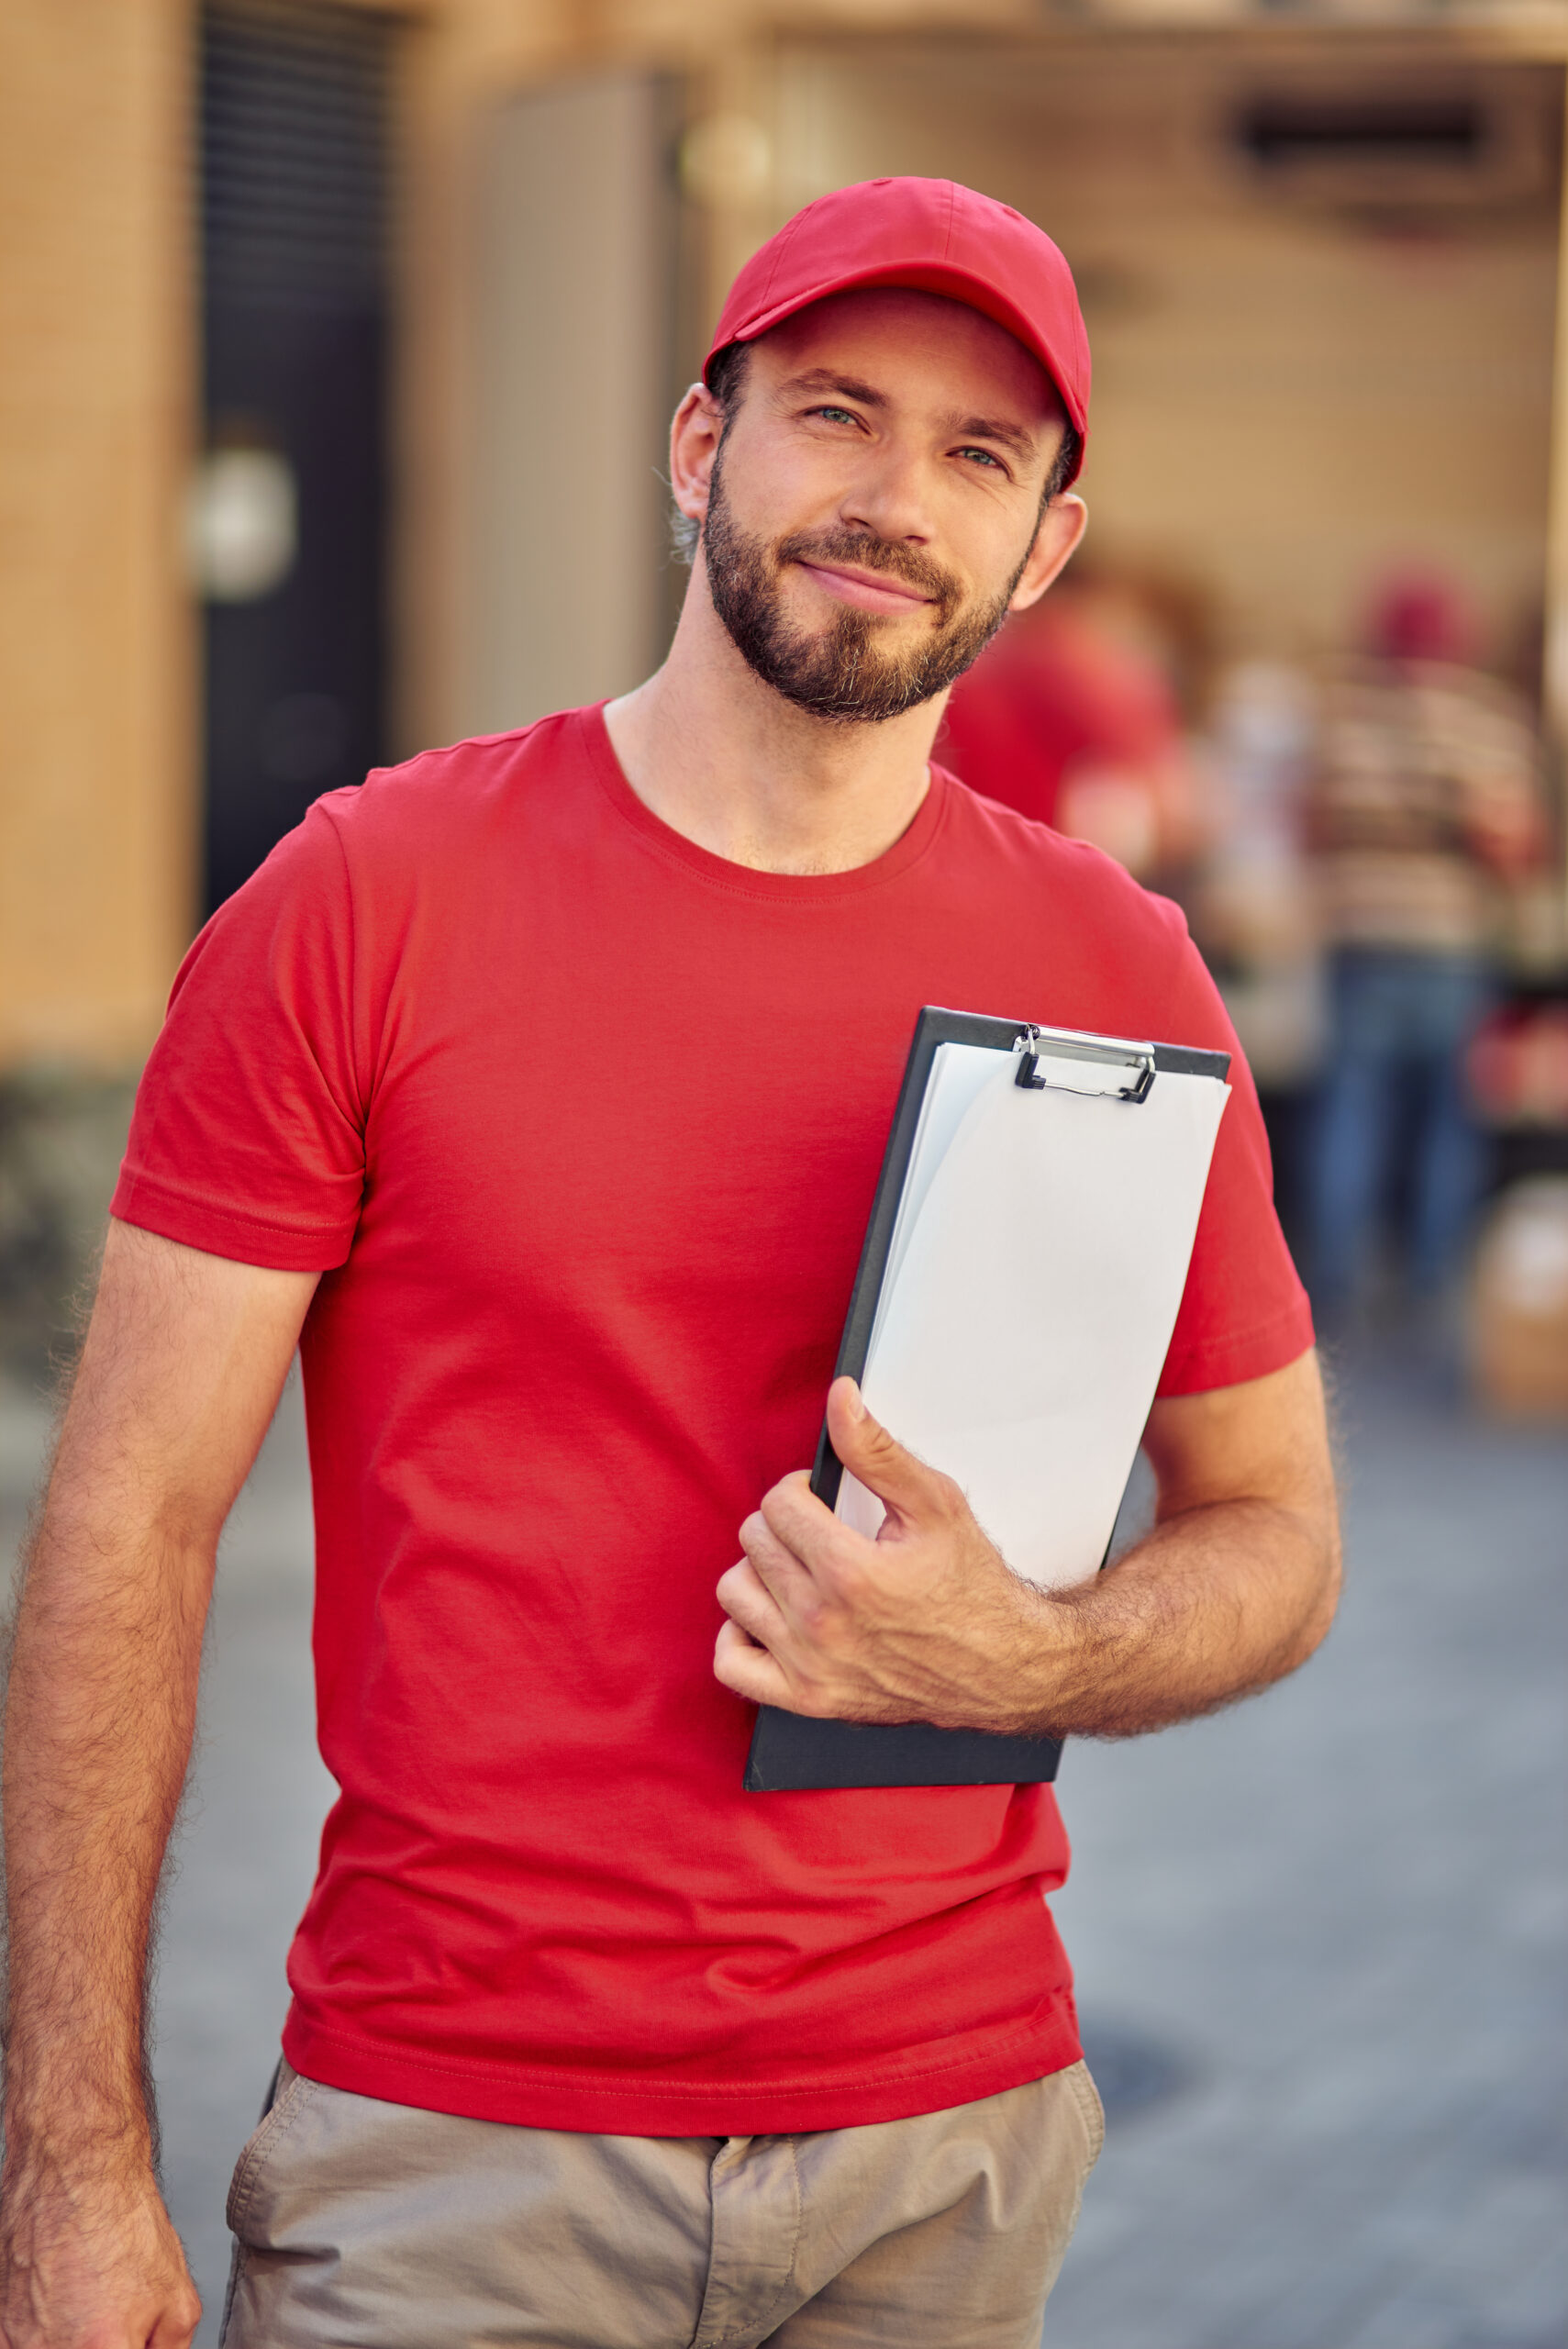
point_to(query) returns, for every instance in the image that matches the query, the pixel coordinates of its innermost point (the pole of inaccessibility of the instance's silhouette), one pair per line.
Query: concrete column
(575, 281)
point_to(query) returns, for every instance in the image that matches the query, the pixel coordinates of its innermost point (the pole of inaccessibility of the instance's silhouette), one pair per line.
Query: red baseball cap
(936, 237)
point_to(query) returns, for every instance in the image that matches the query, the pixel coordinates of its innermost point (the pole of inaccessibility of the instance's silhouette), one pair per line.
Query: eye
(834, 415)
(985, 457)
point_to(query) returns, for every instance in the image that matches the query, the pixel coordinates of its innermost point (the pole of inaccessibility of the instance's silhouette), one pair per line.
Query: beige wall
(96, 799)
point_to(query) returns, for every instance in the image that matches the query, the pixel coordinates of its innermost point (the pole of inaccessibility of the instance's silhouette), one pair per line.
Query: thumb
(905, 1486)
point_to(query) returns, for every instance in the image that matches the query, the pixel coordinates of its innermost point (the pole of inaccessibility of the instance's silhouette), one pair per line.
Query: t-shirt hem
(598, 2103)
(158, 1207)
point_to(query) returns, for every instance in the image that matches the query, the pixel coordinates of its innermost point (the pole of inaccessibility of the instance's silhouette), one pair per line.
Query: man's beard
(840, 673)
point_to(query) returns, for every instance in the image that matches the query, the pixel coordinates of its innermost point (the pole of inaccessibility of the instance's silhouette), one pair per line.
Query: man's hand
(88, 2258)
(1235, 1588)
(909, 1627)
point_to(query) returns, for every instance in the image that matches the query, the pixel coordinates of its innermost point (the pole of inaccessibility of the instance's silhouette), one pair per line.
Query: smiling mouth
(866, 591)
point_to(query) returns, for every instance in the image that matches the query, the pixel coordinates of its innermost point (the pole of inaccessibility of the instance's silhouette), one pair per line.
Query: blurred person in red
(1424, 812)
(1070, 716)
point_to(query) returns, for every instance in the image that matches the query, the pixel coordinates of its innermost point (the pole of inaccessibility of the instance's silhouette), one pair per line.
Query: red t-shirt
(581, 1125)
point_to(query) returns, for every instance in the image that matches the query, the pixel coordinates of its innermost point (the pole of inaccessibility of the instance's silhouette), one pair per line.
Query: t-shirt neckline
(745, 880)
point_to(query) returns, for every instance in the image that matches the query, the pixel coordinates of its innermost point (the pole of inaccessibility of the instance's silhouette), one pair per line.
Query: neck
(725, 761)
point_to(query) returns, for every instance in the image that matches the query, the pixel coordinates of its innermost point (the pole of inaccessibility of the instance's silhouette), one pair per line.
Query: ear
(694, 445)
(1062, 526)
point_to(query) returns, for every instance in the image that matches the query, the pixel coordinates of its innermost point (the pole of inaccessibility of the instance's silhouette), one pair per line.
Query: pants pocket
(290, 2094)
(1080, 2079)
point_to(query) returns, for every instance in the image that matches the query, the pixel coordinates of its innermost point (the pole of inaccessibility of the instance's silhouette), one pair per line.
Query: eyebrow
(825, 379)
(1024, 445)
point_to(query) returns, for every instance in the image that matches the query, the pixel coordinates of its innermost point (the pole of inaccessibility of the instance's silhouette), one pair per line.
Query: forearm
(100, 1714)
(184, 1359)
(1216, 1603)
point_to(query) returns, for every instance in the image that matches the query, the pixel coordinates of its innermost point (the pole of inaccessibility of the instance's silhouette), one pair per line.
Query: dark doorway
(289, 516)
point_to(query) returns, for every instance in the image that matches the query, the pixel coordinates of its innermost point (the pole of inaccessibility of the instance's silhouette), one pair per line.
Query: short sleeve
(248, 1137)
(1244, 1311)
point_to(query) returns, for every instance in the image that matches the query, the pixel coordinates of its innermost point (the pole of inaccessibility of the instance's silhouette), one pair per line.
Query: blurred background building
(340, 343)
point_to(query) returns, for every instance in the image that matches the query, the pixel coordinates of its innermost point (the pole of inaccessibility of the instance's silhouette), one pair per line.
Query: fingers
(784, 1542)
(747, 1601)
(905, 1486)
(743, 1655)
(748, 1669)
(801, 1550)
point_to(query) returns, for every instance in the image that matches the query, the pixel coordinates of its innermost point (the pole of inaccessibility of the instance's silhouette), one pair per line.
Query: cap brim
(922, 277)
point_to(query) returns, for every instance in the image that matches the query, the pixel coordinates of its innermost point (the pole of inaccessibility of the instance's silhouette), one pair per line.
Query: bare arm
(1234, 1588)
(185, 1359)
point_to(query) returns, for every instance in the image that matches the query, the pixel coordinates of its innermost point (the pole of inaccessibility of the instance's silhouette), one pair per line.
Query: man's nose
(889, 497)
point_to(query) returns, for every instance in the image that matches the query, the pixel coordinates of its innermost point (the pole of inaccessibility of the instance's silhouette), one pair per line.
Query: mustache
(868, 552)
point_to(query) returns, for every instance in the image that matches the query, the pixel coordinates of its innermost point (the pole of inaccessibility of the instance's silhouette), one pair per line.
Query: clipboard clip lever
(1135, 1063)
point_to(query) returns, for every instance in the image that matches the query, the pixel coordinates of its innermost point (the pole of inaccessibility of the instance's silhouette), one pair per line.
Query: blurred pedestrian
(1070, 716)
(1426, 810)
(1251, 901)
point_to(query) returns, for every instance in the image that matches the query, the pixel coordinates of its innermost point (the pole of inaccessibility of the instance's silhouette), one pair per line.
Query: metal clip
(1069, 1045)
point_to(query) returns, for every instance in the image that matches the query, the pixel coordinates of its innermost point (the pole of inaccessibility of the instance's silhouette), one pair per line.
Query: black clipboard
(791, 1752)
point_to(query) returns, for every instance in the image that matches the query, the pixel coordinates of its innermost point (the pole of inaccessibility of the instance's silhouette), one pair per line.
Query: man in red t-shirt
(538, 1090)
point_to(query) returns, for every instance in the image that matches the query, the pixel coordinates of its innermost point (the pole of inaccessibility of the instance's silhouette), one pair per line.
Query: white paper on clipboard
(1036, 1269)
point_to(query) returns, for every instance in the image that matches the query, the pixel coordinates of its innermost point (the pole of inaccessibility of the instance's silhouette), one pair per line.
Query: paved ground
(1344, 1905)
(1322, 1938)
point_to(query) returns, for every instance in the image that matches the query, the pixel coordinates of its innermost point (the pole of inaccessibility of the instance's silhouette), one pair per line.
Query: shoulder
(1075, 883)
(414, 843)
(441, 798)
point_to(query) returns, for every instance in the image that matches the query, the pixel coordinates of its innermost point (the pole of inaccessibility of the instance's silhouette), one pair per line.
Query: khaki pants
(380, 2226)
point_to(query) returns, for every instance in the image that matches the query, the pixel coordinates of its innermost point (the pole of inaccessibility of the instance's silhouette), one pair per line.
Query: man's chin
(815, 615)
(872, 695)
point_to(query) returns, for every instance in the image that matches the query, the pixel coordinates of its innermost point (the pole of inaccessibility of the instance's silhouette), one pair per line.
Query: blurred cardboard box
(1519, 1358)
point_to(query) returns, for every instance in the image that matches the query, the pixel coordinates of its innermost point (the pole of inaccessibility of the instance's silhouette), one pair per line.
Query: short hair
(1064, 466)
(727, 375)
(726, 378)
